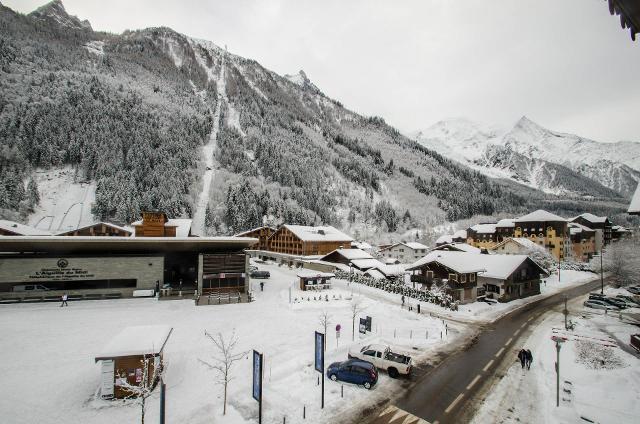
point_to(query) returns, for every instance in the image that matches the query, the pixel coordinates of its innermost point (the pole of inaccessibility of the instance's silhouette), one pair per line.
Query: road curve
(442, 394)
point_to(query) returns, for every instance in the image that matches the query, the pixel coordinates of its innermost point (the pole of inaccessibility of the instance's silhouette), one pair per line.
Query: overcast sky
(567, 65)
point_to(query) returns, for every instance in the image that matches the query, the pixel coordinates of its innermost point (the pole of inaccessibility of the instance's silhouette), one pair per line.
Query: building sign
(61, 273)
(157, 218)
(257, 376)
(319, 356)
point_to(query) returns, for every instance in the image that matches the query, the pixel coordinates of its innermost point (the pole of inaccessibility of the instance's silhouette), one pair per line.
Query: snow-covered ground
(65, 204)
(49, 375)
(599, 378)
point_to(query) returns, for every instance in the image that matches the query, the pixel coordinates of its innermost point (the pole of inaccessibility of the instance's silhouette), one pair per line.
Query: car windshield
(364, 348)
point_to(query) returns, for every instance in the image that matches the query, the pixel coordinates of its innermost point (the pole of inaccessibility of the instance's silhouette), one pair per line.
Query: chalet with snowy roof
(304, 240)
(133, 358)
(546, 229)
(10, 228)
(156, 224)
(261, 233)
(634, 206)
(601, 224)
(508, 277)
(459, 236)
(517, 246)
(405, 252)
(618, 232)
(100, 229)
(482, 236)
(457, 271)
(457, 247)
(356, 258)
(583, 242)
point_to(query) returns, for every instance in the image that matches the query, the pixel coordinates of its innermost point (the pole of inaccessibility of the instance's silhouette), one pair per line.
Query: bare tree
(622, 261)
(356, 308)
(150, 376)
(324, 319)
(223, 360)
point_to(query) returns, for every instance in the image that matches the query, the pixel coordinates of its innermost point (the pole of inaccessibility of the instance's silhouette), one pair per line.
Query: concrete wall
(145, 269)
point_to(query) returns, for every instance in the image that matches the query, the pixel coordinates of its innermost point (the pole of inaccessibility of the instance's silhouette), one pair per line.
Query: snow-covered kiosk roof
(136, 341)
(15, 228)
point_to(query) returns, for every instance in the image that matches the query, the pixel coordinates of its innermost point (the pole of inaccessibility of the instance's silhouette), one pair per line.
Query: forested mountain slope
(136, 112)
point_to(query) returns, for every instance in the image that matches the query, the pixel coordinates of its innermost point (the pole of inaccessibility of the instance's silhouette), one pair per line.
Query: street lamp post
(350, 272)
(601, 271)
(559, 341)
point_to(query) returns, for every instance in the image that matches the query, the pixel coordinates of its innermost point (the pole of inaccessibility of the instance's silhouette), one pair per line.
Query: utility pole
(163, 388)
(601, 270)
(565, 312)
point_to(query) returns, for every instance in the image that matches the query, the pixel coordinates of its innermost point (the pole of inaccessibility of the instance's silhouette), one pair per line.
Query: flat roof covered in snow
(21, 229)
(136, 340)
(309, 273)
(88, 244)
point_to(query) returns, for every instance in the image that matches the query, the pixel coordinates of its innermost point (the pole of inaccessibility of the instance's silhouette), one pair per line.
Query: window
(429, 274)
(472, 277)
(370, 353)
(463, 278)
(453, 277)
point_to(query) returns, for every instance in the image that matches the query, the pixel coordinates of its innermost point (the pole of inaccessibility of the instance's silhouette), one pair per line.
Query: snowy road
(461, 377)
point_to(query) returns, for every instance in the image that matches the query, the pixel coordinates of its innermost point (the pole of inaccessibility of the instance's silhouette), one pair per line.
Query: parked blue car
(354, 371)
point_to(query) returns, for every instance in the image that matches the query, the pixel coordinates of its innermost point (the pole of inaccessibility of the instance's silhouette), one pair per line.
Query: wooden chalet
(483, 236)
(99, 229)
(314, 280)
(307, 241)
(156, 224)
(509, 277)
(133, 358)
(260, 233)
(456, 271)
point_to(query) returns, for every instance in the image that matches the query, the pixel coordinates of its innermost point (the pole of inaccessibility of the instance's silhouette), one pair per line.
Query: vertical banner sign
(363, 326)
(319, 361)
(257, 382)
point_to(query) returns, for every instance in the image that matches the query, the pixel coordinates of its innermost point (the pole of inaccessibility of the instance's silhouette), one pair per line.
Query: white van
(29, 287)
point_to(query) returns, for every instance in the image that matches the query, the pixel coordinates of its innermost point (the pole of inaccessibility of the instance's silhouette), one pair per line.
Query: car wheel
(333, 377)
(367, 385)
(393, 373)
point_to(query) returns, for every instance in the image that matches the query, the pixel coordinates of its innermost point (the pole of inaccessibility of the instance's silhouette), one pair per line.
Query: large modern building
(104, 266)
(260, 233)
(303, 240)
(546, 229)
(600, 224)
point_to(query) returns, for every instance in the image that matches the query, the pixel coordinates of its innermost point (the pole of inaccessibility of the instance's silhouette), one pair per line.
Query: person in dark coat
(529, 359)
(261, 285)
(522, 356)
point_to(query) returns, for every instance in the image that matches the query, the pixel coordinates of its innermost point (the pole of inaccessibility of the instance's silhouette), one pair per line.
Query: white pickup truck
(383, 358)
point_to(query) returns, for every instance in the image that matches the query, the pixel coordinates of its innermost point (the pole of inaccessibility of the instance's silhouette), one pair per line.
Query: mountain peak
(55, 11)
(302, 80)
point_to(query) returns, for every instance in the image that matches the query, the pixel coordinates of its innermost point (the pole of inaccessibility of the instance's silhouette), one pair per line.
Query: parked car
(30, 287)
(253, 268)
(629, 299)
(354, 371)
(383, 358)
(615, 302)
(596, 296)
(633, 289)
(260, 274)
(600, 304)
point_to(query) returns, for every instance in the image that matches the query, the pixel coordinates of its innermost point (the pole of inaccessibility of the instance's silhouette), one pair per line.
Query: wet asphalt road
(442, 394)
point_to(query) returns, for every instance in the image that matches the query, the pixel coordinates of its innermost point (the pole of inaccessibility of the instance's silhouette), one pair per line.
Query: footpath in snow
(49, 374)
(599, 374)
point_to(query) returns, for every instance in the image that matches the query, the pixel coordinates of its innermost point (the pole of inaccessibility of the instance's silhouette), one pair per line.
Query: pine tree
(33, 196)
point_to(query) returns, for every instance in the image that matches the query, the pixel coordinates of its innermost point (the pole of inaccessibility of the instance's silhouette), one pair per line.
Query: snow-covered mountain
(56, 12)
(533, 155)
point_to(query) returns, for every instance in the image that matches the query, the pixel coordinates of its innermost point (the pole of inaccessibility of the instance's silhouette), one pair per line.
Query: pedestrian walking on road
(64, 300)
(522, 356)
(402, 298)
(529, 359)
(261, 285)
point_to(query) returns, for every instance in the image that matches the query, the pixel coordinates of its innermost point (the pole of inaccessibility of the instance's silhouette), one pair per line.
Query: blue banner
(319, 363)
(257, 376)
